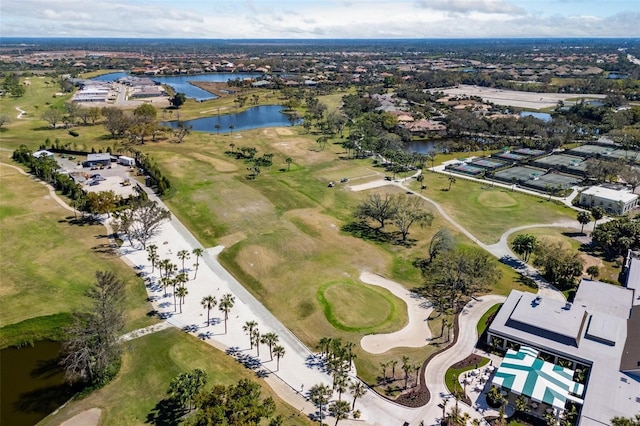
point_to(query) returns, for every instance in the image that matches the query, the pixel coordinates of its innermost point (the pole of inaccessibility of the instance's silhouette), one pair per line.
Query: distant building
(103, 159)
(597, 334)
(43, 154)
(613, 201)
(126, 161)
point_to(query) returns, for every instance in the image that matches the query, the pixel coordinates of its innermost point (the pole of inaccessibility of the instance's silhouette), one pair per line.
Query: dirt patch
(590, 261)
(220, 89)
(258, 261)
(282, 131)
(89, 417)
(219, 165)
(232, 239)
(302, 150)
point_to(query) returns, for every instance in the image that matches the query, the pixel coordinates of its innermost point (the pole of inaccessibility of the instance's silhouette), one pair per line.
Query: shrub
(74, 133)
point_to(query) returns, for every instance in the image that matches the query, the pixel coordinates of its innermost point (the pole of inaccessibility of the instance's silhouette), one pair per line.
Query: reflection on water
(252, 118)
(32, 383)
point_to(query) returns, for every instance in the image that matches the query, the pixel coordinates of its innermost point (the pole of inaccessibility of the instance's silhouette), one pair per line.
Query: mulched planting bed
(470, 361)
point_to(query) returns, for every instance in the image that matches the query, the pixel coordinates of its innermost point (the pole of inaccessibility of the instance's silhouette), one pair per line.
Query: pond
(181, 83)
(539, 115)
(32, 383)
(252, 118)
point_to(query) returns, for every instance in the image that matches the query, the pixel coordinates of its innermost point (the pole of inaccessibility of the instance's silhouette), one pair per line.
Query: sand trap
(416, 334)
(86, 418)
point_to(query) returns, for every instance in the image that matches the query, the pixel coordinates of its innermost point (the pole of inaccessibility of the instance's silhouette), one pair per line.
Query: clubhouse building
(585, 353)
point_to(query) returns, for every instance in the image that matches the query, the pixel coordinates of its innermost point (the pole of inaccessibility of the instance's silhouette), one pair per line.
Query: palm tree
(524, 244)
(255, 336)
(248, 328)
(183, 255)
(182, 292)
(288, 160)
(319, 395)
(165, 282)
(384, 369)
(339, 410)
(232, 145)
(153, 256)
(231, 127)
(270, 339)
(452, 180)
(225, 305)
(583, 219)
(357, 389)
(597, 213)
(406, 367)
(593, 271)
(278, 351)
(324, 345)
(416, 368)
(208, 302)
(393, 368)
(340, 384)
(197, 252)
(348, 347)
(217, 127)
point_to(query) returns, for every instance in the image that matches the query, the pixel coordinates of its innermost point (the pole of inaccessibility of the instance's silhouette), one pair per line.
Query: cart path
(415, 334)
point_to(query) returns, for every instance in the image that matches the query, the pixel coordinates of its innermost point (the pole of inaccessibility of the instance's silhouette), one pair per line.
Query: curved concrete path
(415, 334)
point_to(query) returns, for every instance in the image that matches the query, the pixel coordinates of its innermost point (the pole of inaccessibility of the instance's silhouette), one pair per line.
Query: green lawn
(489, 211)
(149, 364)
(451, 377)
(283, 231)
(36, 233)
(482, 324)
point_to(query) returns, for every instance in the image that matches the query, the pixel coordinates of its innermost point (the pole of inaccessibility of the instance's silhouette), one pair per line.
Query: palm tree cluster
(524, 245)
(406, 367)
(319, 395)
(270, 339)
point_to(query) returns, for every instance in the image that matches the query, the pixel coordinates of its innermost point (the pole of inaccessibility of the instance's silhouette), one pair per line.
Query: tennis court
(554, 180)
(591, 150)
(563, 161)
(509, 156)
(487, 164)
(519, 174)
(530, 152)
(466, 169)
(626, 155)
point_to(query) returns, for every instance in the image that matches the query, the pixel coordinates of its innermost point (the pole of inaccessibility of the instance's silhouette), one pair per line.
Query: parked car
(94, 183)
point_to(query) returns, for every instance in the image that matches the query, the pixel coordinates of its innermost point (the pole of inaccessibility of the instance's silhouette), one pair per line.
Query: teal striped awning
(523, 373)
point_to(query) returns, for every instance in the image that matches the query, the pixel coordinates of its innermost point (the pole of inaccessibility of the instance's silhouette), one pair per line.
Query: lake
(32, 383)
(252, 118)
(180, 83)
(539, 115)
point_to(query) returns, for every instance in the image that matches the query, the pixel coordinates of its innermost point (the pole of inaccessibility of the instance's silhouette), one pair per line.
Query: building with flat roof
(598, 333)
(98, 159)
(613, 201)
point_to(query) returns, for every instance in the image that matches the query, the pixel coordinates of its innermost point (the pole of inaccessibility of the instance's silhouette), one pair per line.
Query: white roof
(610, 194)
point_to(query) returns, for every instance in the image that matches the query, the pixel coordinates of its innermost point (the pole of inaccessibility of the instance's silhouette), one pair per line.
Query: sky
(319, 19)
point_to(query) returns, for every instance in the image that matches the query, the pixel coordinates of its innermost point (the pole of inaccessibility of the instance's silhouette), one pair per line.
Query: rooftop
(610, 194)
(548, 318)
(602, 343)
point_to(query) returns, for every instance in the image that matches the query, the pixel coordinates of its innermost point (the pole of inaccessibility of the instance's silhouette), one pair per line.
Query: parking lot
(112, 178)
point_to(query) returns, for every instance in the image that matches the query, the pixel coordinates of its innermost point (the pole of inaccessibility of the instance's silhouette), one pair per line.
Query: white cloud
(318, 18)
(470, 6)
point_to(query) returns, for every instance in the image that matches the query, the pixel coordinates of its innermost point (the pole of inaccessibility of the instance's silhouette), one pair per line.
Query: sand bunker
(86, 418)
(416, 333)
